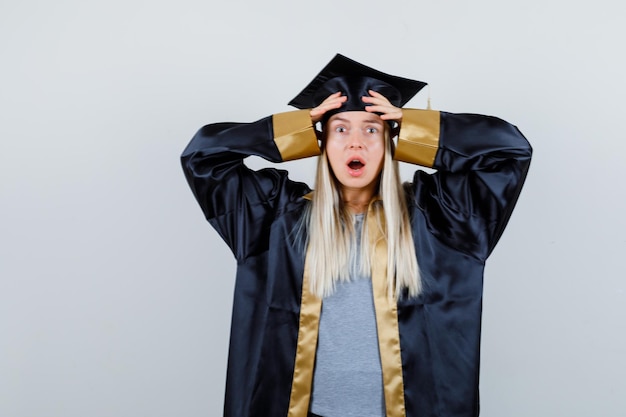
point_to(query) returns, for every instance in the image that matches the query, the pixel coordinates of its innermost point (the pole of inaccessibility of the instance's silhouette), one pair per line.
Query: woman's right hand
(333, 101)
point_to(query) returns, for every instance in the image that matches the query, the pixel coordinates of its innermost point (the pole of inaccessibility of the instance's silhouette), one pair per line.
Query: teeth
(355, 164)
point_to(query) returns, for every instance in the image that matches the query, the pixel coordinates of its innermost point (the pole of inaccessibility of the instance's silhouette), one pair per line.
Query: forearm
(459, 142)
(233, 197)
(481, 163)
(281, 137)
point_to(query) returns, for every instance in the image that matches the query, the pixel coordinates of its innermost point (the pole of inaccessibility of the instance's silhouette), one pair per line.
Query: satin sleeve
(481, 163)
(241, 203)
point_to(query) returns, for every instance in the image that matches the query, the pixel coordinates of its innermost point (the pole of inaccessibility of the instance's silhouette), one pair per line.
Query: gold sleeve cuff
(294, 135)
(418, 140)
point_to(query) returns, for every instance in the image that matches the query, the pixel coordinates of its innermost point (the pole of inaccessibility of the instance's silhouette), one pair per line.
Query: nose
(355, 140)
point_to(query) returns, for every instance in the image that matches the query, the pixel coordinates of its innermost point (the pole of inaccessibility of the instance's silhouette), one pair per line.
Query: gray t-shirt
(347, 381)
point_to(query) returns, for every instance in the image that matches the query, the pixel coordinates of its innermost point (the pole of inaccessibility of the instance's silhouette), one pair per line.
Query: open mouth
(355, 164)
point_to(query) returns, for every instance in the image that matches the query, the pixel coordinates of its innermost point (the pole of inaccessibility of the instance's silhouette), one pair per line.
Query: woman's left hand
(379, 104)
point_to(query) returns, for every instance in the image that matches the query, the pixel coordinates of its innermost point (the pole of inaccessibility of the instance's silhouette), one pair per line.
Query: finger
(386, 112)
(386, 115)
(327, 105)
(385, 108)
(381, 104)
(334, 101)
(333, 97)
(374, 93)
(397, 116)
(375, 96)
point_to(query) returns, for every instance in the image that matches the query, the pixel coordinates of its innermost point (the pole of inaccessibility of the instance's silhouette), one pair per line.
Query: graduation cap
(354, 80)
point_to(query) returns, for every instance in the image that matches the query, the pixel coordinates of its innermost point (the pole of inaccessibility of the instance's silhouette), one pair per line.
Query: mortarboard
(354, 80)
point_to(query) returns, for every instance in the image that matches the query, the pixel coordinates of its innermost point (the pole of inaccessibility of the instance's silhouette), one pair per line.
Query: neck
(356, 207)
(357, 201)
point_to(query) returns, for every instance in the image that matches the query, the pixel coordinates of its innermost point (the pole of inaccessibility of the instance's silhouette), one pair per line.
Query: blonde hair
(331, 232)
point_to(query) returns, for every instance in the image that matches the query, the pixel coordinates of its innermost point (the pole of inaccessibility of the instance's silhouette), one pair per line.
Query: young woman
(363, 297)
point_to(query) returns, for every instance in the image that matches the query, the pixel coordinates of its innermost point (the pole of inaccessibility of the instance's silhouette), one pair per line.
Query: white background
(115, 294)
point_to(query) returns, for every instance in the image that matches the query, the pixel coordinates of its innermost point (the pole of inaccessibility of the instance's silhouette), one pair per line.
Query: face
(355, 147)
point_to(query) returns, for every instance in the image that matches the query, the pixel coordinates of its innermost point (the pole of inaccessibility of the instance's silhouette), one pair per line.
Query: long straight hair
(331, 232)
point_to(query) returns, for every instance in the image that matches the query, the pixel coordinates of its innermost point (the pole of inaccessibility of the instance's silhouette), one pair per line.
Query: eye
(340, 129)
(371, 130)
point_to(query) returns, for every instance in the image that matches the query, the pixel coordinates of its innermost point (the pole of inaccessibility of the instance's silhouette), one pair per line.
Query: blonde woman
(361, 298)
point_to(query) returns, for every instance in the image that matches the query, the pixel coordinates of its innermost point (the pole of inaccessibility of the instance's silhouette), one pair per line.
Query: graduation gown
(429, 345)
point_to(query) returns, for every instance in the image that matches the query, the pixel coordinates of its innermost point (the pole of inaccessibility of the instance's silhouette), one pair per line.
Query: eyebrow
(341, 119)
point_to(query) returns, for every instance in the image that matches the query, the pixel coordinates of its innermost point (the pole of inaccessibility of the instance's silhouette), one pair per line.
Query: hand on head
(377, 103)
(333, 101)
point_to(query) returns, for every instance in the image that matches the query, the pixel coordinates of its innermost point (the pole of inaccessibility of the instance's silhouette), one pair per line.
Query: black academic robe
(429, 345)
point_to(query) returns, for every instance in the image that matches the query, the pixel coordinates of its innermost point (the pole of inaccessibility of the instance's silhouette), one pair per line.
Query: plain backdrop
(115, 294)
